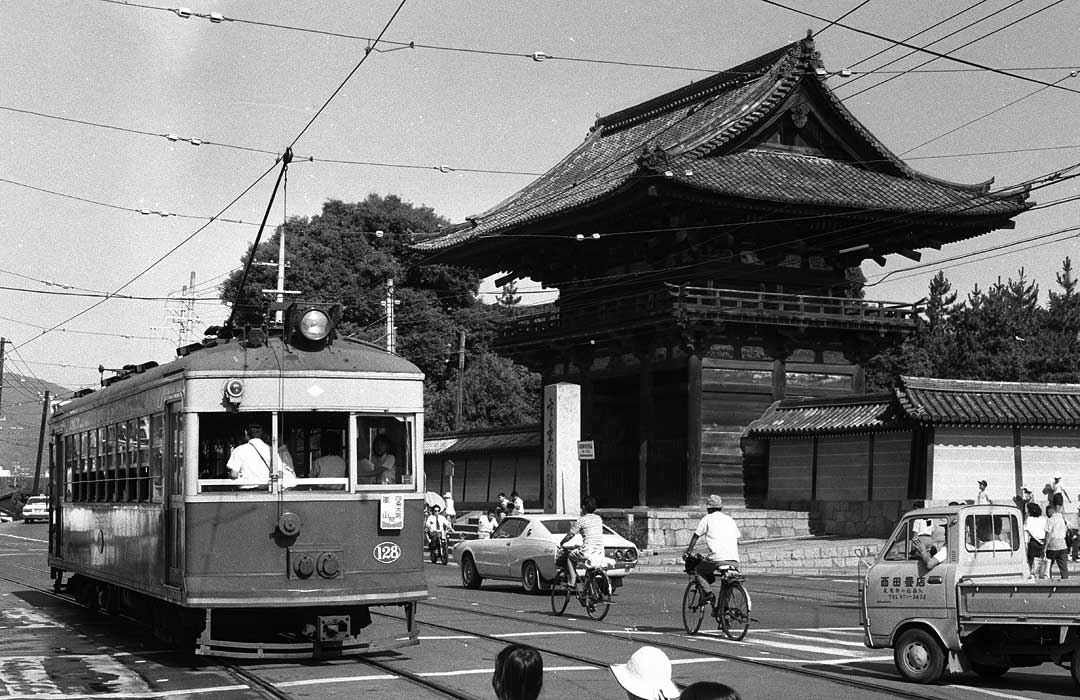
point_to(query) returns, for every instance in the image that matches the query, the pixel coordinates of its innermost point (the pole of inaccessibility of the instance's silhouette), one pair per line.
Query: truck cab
(975, 587)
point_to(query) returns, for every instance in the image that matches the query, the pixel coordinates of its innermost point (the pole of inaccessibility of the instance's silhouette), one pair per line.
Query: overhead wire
(843, 16)
(969, 43)
(905, 44)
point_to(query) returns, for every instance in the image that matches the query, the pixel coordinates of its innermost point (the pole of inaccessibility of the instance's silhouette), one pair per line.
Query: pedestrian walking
(1035, 527)
(1056, 549)
(981, 496)
(1059, 494)
(486, 524)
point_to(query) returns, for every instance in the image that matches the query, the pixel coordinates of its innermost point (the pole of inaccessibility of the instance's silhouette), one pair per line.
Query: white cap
(447, 495)
(646, 675)
(1057, 476)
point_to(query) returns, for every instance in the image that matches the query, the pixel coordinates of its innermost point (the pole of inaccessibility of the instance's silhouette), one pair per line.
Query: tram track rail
(249, 677)
(922, 693)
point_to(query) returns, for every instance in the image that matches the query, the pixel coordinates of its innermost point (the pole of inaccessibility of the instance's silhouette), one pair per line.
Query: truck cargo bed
(1031, 601)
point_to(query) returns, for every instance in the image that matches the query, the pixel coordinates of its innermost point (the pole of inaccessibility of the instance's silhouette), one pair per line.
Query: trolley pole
(41, 441)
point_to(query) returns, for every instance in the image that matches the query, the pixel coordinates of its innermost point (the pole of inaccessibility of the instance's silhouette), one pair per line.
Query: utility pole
(3, 342)
(41, 440)
(391, 325)
(460, 381)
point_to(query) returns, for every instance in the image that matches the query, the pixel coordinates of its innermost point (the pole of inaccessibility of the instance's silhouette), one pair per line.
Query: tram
(147, 519)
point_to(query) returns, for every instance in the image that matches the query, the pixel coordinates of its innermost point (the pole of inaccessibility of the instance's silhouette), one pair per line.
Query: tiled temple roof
(960, 402)
(939, 402)
(699, 137)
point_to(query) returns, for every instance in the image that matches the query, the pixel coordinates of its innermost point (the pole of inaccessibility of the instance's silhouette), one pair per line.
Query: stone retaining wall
(672, 527)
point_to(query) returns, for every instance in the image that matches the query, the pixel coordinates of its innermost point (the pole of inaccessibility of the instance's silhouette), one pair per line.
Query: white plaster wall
(962, 456)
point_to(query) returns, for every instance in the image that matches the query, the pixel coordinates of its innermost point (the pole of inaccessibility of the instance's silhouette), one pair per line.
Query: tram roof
(234, 356)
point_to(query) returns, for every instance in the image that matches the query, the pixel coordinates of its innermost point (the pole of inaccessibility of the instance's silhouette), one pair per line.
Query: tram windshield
(305, 450)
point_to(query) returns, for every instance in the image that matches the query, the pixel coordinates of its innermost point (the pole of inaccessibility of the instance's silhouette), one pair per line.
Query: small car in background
(5, 518)
(36, 508)
(523, 548)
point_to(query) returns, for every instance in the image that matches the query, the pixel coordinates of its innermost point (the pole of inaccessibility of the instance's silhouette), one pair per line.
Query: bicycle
(731, 608)
(438, 547)
(595, 595)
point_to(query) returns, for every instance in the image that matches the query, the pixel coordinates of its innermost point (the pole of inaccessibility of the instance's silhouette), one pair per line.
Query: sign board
(392, 511)
(586, 449)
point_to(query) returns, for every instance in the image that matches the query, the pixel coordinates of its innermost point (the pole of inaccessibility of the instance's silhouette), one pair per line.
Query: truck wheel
(989, 670)
(919, 657)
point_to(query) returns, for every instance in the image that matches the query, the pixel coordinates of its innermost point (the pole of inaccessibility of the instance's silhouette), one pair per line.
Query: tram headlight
(314, 324)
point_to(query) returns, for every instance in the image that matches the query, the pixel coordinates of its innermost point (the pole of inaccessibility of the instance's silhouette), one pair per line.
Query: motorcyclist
(437, 526)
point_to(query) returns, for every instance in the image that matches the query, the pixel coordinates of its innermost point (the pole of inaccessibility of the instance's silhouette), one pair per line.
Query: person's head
(519, 673)
(448, 495)
(1057, 478)
(714, 503)
(330, 443)
(380, 445)
(491, 512)
(436, 509)
(513, 494)
(588, 504)
(709, 690)
(1034, 510)
(1050, 510)
(646, 675)
(982, 485)
(253, 431)
(502, 494)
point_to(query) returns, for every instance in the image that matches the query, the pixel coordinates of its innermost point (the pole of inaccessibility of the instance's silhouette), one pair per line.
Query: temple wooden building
(703, 244)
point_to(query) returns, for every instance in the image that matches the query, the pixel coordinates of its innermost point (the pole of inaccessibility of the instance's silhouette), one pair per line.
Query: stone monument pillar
(562, 430)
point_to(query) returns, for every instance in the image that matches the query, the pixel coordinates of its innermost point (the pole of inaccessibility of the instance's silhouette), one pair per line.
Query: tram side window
(384, 451)
(157, 453)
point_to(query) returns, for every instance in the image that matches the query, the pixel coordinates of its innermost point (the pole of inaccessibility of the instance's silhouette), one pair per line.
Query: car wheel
(470, 577)
(530, 578)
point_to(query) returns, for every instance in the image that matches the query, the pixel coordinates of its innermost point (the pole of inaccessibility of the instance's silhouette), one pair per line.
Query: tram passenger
(250, 462)
(382, 460)
(330, 465)
(288, 471)
(519, 673)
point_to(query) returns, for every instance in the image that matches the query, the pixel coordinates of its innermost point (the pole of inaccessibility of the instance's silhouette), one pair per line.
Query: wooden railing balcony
(693, 306)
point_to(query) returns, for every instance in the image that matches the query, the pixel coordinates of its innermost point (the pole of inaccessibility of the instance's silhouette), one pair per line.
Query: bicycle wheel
(693, 608)
(597, 595)
(735, 611)
(560, 593)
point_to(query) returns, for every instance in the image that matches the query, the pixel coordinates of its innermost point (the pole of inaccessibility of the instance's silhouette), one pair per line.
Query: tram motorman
(250, 462)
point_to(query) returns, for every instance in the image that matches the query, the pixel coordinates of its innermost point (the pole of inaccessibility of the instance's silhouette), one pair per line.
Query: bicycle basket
(691, 562)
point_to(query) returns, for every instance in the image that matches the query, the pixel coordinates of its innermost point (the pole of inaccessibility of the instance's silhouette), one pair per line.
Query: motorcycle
(438, 547)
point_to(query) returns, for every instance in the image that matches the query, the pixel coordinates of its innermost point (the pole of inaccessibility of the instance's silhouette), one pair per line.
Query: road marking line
(28, 539)
(449, 636)
(804, 647)
(345, 679)
(539, 634)
(993, 693)
(127, 681)
(26, 675)
(821, 639)
(639, 632)
(829, 662)
(126, 696)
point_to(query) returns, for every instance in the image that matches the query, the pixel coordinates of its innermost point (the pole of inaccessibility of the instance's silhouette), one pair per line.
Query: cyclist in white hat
(646, 675)
(721, 534)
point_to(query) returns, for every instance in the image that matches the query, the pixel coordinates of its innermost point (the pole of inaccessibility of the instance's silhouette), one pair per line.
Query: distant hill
(20, 422)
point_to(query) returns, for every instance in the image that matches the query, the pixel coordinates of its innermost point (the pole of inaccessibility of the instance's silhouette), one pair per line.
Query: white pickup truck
(968, 603)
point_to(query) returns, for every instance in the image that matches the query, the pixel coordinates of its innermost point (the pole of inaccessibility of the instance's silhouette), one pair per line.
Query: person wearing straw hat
(721, 535)
(646, 675)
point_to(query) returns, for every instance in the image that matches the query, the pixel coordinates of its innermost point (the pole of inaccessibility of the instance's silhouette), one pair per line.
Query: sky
(92, 89)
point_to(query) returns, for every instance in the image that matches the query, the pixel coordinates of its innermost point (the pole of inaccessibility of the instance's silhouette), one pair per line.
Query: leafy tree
(1000, 334)
(349, 254)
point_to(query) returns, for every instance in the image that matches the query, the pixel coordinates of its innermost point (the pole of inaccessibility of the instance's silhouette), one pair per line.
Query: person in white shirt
(437, 525)
(451, 512)
(1035, 527)
(486, 525)
(331, 465)
(519, 505)
(1059, 495)
(591, 551)
(981, 496)
(721, 535)
(250, 462)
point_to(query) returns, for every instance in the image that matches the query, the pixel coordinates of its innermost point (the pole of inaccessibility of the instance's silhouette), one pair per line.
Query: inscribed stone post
(562, 430)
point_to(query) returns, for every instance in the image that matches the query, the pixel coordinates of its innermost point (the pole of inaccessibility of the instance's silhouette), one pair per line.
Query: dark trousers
(1061, 558)
(1034, 551)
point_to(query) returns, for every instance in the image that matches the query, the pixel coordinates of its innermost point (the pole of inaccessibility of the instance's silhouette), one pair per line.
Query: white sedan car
(523, 548)
(36, 508)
